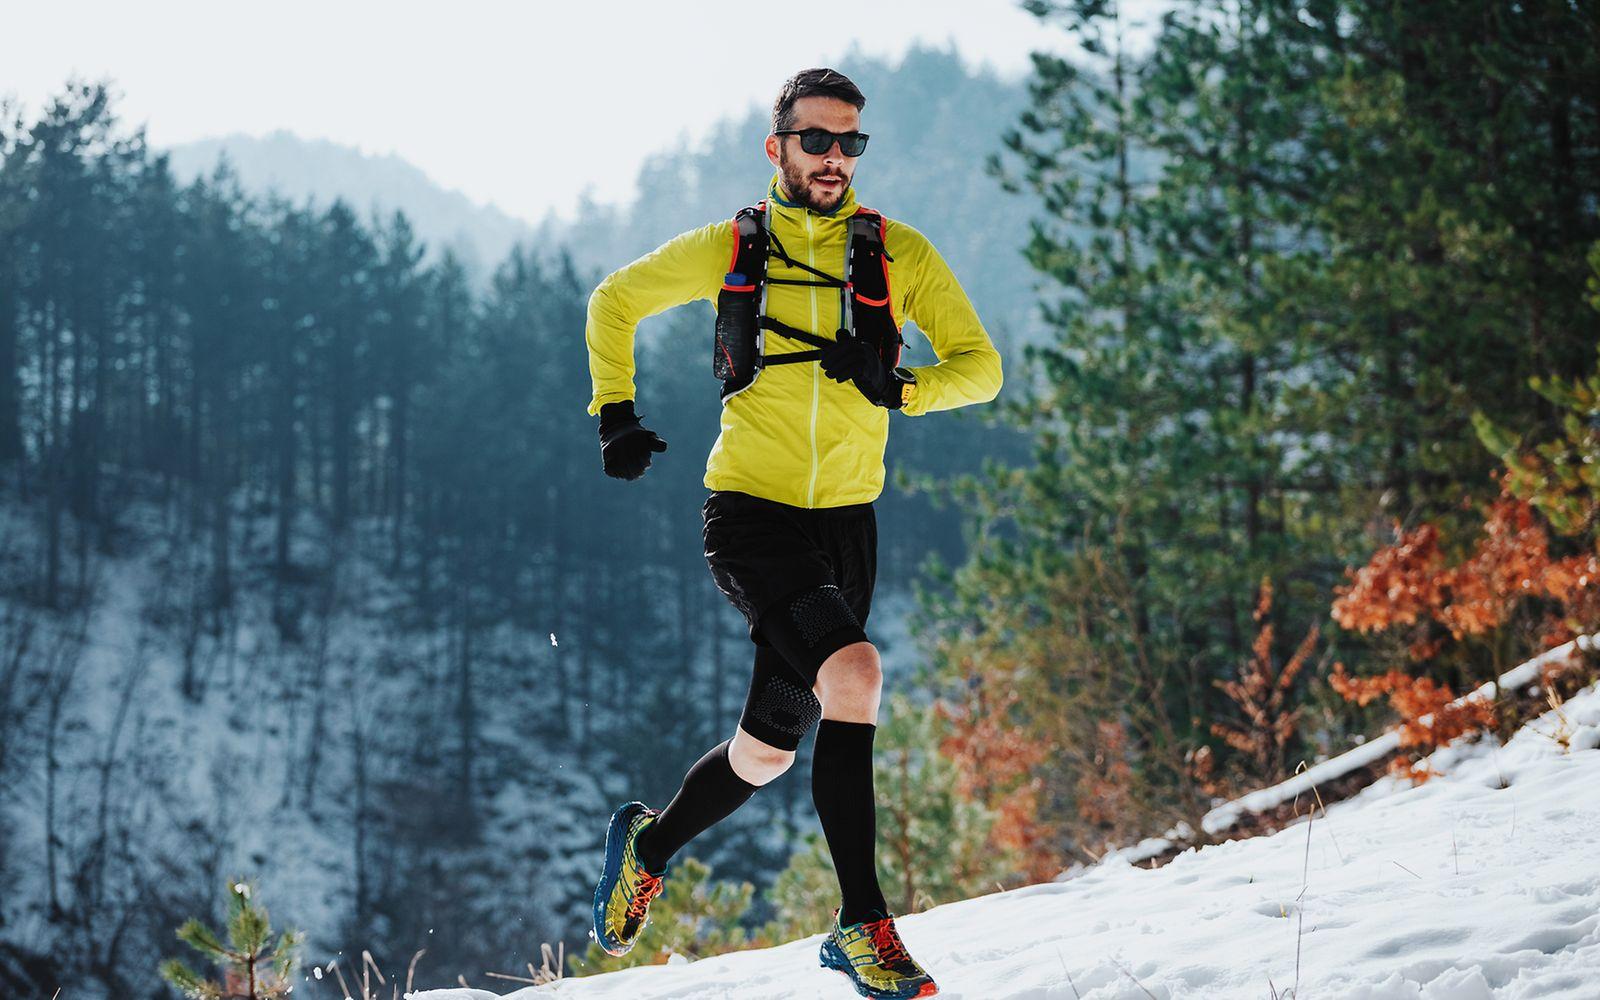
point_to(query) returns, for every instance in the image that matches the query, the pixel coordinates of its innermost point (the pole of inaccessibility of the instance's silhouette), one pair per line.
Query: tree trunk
(54, 456)
(10, 387)
(466, 709)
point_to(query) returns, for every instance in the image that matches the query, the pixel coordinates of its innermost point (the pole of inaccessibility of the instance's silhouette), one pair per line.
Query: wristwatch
(906, 380)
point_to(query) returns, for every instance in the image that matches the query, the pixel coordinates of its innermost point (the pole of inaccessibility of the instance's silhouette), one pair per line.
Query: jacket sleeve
(688, 267)
(968, 370)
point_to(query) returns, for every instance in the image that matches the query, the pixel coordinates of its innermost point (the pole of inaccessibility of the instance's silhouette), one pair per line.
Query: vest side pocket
(734, 353)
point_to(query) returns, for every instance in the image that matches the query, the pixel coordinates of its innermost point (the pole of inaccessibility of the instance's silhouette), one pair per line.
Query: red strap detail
(883, 259)
(737, 288)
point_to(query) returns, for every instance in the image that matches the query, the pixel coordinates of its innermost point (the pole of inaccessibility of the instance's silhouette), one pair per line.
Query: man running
(790, 533)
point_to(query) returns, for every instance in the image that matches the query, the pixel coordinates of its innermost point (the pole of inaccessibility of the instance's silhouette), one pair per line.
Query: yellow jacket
(796, 436)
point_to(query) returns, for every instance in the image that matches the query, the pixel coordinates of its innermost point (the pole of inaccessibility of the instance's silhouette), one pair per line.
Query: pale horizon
(437, 92)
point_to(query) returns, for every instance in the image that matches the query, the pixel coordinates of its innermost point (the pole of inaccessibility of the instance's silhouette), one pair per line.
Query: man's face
(816, 181)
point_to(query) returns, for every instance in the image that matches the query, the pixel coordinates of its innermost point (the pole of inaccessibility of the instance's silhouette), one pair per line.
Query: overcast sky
(520, 104)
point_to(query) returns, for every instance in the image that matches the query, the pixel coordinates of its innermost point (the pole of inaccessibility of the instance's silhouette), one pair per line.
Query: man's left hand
(852, 359)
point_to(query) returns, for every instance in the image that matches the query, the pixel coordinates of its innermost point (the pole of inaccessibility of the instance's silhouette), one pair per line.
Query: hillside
(320, 170)
(1479, 884)
(933, 119)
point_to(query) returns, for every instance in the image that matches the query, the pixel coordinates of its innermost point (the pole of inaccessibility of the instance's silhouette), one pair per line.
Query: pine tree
(1270, 243)
(11, 202)
(253, 966)
(1133, 413)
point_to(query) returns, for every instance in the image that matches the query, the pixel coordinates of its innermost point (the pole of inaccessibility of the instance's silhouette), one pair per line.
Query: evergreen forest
(309, 572)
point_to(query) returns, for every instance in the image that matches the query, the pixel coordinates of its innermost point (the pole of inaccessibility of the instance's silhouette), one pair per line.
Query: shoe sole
(830, 957)
(616, 834)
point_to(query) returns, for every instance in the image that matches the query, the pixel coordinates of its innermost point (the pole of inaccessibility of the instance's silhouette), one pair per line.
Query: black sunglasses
(817, 141)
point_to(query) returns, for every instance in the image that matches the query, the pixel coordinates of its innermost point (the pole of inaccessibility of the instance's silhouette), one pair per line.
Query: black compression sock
(711, 792)
(841, 787)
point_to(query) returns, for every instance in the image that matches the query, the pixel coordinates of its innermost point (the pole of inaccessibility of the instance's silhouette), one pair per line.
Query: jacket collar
(779, 197)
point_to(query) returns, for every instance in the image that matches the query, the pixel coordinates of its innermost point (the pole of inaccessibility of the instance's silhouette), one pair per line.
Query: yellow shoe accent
(875, 959)
(622, 897)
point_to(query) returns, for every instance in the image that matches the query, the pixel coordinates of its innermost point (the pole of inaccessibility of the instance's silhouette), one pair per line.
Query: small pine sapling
(252, 967)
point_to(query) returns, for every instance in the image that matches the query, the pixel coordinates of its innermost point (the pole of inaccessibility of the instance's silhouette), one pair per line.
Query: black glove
(851, 359)
(625, 446)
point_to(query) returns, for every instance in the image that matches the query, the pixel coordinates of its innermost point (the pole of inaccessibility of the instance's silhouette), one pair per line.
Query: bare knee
(756, 761)
(850, 683)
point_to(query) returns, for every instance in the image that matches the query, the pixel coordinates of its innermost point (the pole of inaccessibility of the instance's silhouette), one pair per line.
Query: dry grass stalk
(1561, 733)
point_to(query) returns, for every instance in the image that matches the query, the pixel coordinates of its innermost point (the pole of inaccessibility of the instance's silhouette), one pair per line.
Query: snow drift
(1483, 883)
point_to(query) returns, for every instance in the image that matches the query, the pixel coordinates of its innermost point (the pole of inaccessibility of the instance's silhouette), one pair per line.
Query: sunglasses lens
(818, 141)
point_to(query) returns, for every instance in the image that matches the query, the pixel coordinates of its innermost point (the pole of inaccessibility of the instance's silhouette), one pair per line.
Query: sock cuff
(844, 737)
(721, 751)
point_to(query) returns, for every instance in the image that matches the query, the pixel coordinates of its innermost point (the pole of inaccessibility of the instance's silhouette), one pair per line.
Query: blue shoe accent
(832, 958)
(621, 864)
(904, 980)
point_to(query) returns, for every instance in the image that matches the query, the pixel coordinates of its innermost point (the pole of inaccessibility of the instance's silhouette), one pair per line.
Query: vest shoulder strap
(750, 243)
(871, 314)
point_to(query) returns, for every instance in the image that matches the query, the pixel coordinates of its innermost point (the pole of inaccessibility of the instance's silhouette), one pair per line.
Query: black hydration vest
(740, 350)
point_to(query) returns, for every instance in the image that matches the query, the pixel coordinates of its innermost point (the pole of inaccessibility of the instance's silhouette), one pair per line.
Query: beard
(798, 184)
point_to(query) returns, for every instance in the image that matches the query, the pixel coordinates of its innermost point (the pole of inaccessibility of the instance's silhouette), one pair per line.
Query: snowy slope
(1484, 883)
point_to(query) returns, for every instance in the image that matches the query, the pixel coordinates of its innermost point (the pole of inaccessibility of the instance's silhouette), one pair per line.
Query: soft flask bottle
(737, 323)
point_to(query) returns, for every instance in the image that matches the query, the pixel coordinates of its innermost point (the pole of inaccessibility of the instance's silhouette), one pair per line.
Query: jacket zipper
(816, 370)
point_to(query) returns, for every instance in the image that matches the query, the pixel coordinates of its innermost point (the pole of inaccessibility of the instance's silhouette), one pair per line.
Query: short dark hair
(820, 82)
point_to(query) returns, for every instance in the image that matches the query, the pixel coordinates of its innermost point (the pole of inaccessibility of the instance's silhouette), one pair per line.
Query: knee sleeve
(780, 709)
(810, 626)
(816, 613)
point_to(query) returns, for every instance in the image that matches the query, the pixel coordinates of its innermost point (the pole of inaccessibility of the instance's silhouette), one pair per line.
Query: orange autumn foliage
(1262, 693)
(1399, 585)
(997, 763)
(1103, 791)
(1512, 561)
(1407, 583)
(1427, 718)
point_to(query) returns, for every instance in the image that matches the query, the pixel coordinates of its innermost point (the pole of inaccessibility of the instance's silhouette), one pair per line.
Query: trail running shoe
(622, 899)
(874, 958)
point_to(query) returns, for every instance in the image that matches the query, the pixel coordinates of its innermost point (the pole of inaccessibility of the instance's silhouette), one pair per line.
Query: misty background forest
(309, 572)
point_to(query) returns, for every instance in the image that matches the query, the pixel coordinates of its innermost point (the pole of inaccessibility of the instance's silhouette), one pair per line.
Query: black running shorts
(801, 577)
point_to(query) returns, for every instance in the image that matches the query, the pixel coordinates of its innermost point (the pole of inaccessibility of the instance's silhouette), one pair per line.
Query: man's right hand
(625, 445)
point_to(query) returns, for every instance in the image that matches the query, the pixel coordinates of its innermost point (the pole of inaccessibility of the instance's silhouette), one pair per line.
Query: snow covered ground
(1484, 883)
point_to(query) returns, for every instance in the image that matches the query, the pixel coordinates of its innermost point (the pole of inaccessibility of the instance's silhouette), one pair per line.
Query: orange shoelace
(886, 941)
(649, 888)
